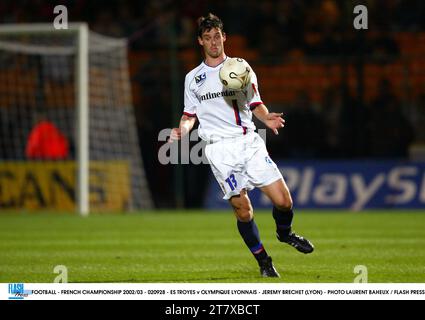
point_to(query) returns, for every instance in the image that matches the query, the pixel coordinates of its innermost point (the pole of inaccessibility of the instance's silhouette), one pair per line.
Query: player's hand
(176, 134)
(275, 122)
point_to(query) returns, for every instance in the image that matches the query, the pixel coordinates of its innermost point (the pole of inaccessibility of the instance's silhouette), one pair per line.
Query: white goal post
(90, 54)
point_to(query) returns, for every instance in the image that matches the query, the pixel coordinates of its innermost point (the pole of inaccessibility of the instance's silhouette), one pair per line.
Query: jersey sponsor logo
(200, 78)
(213, 95)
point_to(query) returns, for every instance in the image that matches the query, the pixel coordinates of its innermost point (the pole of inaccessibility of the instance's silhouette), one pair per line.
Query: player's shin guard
(251, 236)
(283, 221)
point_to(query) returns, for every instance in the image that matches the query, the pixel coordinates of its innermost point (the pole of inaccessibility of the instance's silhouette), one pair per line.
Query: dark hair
(209, 22)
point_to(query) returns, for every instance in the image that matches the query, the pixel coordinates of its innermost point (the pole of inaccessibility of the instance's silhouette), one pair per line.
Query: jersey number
(232, 182)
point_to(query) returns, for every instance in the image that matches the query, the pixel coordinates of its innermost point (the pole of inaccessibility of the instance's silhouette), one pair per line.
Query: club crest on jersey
(200, 78)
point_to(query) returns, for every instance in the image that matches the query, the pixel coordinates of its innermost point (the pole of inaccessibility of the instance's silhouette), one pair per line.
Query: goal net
(68, 138)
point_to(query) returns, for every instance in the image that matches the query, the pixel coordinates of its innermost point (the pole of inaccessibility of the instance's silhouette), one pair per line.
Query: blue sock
(251, 236)
(283, 221)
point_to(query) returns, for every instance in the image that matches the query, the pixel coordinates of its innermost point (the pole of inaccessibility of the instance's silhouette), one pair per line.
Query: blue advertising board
(354, 185)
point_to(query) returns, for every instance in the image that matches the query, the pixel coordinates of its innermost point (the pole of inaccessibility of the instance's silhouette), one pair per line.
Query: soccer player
(236, 153)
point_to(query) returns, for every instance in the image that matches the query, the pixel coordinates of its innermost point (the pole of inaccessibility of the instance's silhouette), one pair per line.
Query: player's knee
(242, 206)
(243, 209)
(283, 203)
(245, 214)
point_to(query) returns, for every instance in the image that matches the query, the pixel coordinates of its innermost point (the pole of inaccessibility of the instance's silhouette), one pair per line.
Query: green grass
(203, 246)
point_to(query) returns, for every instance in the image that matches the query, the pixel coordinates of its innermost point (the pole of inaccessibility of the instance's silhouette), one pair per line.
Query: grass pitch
(205, 246)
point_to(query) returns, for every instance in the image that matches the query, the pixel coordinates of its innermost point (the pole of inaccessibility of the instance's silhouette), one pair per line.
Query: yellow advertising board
(50, 185)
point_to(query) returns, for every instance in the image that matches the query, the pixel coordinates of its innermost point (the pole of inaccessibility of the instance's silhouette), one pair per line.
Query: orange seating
(280, 83)
(189, 59)
(236, 41)
(59, 95)
(136, 60)
(411, 43)
(17, 88)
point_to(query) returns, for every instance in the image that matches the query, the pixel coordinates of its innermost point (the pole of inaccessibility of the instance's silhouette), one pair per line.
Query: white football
(235, 73)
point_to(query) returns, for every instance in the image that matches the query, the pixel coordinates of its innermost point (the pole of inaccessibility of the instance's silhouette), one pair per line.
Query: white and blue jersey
(222, 113)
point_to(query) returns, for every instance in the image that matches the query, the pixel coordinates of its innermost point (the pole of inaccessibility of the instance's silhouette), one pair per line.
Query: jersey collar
(225, 58)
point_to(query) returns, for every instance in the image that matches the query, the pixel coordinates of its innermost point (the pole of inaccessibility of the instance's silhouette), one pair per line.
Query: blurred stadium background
(346, 94)
(354, 102)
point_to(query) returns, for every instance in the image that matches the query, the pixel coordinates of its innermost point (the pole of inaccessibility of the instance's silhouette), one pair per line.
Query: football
(235, 73)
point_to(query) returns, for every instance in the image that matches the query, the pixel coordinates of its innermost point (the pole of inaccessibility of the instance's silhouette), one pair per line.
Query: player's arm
(186, 124)
(272, 120)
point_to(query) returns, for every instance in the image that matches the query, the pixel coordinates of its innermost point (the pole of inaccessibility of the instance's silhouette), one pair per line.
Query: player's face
(212, 41)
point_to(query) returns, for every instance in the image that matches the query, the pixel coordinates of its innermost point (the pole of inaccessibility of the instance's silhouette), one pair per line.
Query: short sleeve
(253, 94)
(190, 100)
